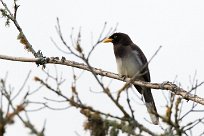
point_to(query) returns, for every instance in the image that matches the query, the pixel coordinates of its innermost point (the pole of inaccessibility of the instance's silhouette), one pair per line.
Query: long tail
(149, 101)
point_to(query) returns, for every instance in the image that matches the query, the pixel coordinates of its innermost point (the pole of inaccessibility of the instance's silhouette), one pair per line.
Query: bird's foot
(164, 83)
(123, 77)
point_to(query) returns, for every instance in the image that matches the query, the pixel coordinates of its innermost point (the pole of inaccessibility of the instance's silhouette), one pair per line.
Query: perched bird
(131, 61)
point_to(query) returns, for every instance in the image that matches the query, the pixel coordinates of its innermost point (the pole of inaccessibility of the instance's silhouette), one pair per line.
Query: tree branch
(163, 86)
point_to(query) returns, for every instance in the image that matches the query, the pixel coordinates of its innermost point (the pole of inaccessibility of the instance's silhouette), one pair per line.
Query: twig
(23, 39)
(23, 85)
(129, 105)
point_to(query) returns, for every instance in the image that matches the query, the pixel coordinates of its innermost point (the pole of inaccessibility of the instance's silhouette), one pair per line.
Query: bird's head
(118, 38)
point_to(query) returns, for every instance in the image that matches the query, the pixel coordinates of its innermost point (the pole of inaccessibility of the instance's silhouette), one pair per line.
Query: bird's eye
(115, 36)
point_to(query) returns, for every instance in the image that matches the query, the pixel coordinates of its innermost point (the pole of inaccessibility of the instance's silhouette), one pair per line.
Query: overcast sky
(175, 25)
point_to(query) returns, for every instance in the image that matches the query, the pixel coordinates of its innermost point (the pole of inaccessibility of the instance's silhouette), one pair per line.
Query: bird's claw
(164, 83)
(123, 77)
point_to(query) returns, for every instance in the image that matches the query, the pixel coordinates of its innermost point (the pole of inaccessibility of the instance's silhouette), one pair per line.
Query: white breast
(129, 65)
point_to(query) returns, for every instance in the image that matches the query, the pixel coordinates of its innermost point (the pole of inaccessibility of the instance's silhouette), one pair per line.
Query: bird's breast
(128, 65)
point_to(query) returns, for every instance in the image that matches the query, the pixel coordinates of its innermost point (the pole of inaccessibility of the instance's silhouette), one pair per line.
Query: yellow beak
(107, 40)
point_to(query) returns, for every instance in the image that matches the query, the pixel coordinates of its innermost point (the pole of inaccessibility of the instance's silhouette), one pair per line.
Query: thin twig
(23, 85)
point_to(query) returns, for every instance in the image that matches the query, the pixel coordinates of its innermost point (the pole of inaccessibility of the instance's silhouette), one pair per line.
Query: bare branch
(163, 86)
(23, 39)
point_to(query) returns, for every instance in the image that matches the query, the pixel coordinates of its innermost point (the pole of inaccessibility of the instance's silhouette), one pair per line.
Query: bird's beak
(107, 40)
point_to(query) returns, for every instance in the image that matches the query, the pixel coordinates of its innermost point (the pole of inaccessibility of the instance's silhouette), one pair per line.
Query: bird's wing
(149, 100)
(145, 71)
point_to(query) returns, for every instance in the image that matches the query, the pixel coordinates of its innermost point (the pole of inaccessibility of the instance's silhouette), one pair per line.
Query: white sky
(176, 25)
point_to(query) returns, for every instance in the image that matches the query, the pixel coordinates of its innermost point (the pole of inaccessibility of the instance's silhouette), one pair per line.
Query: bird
(131, 61)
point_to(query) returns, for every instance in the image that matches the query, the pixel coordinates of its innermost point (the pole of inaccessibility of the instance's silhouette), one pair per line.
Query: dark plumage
(130, 61)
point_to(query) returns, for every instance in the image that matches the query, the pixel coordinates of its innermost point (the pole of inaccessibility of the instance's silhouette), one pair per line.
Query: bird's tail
(149, 101)
(152, 112)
